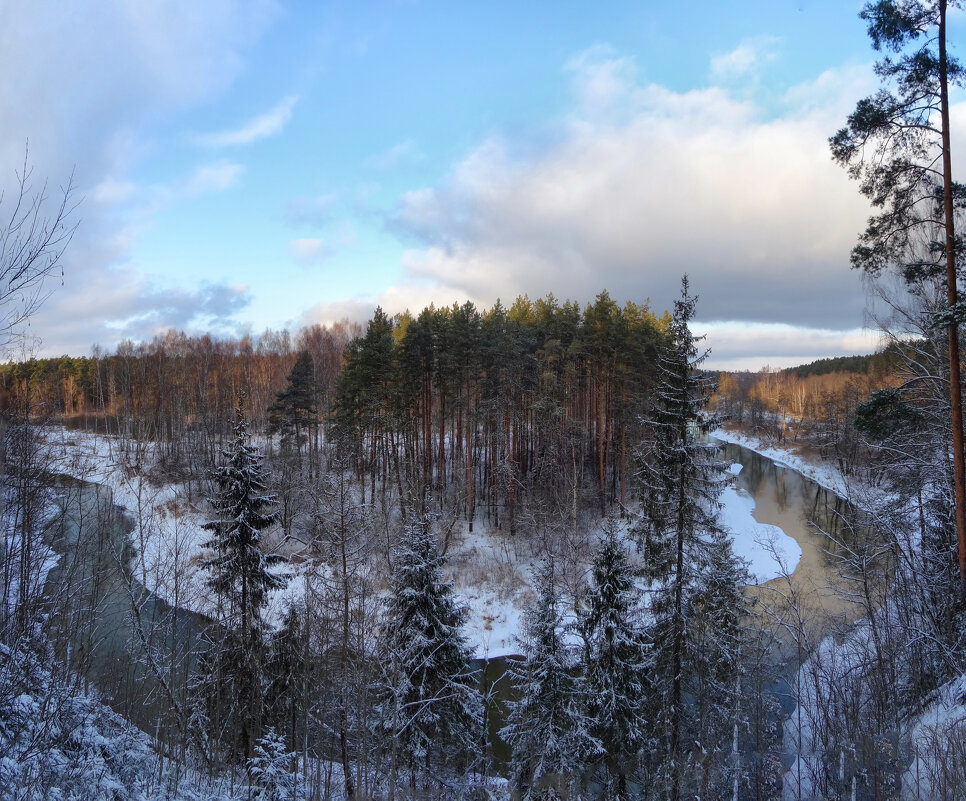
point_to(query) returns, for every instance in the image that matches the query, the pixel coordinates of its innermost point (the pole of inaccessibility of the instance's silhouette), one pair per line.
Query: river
(815, 595)
(92, 601)
(93, 595)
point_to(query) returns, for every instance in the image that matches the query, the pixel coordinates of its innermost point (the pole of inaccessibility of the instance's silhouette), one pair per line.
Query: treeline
(177, 391)
(879, 363)
(814, 405)
(492, 404)
(482, 402)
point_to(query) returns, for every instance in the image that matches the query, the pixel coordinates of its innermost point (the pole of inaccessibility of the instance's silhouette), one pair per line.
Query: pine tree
(690, 557)
(294, 412)
(240, 571)
(429, 707)
(547, 728)
(897, 144)
(616, 663)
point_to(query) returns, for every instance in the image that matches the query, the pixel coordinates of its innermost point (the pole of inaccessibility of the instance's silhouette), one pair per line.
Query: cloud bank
(644, 184)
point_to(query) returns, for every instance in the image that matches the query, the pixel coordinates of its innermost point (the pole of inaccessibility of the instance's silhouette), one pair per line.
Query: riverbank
(821, 472)
(933, 748)
(489, 569)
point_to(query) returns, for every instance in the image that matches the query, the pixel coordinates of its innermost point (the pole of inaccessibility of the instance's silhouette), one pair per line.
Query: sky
(244, 165)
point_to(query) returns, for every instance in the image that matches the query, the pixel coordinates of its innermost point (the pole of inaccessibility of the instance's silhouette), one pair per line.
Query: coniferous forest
(354, 481)
(503, 552)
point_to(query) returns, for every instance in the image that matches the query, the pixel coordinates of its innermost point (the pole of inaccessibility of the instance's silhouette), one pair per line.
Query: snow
(825, 475)
(938, 743)
(168, 531)
(43, 557)
(768, 550)
(493, 624)
(491, 577)
(490, 573)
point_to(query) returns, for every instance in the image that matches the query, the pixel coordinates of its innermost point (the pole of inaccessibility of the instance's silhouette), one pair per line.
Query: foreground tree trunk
(955, 381)
(892, 145)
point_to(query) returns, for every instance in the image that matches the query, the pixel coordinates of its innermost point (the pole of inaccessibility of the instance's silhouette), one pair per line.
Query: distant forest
(492, 398)
(460, 393)
(872, 363)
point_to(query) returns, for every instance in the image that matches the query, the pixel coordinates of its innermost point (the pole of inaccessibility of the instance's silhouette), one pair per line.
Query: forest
(280, 610)
(491, 553)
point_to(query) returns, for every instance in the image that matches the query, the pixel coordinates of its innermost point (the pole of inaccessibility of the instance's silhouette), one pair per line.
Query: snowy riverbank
(490, 571)
(822, 473)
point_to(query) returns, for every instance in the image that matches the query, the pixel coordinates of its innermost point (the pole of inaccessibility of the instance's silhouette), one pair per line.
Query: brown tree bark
(955, 381)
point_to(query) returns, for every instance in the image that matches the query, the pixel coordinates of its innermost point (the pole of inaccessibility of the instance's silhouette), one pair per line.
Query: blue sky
(253, 165)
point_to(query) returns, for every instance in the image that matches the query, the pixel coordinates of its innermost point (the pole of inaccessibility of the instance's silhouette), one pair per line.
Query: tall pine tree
(897, 144)
(690, 559)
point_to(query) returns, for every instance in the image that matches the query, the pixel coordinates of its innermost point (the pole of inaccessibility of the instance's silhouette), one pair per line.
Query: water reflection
(825, 526)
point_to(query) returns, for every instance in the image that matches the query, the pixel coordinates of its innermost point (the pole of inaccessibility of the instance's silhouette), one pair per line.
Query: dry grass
(487, 561)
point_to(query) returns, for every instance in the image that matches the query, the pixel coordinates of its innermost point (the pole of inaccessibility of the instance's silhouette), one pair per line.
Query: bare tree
(33, 236)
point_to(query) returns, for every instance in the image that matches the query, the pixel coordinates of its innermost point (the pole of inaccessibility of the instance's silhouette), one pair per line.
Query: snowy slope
(490, 572)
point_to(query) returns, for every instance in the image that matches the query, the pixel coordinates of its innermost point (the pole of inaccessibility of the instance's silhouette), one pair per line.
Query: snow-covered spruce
(548, 728)
(242, 577)
(57, 742)
(616, 664)
(429, 710)
(697, 604)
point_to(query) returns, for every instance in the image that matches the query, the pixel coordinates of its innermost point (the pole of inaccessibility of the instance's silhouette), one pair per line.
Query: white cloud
(751, 346)
(112, 191)
(106, 306)
(601, 78)
(91, 77)
(749, 57)
(92, 80)
(699, 182)
(260, 127)
(354, 310)
(214, 177)
(834, 93)
(393, 300)
(308, 250)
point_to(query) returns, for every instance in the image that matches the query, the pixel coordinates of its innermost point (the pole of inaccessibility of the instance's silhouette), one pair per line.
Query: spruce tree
(697, 577)
(270, 769)
(241, 574)
(294, 412)
(429, 708)
(616, 663)
(547, 729)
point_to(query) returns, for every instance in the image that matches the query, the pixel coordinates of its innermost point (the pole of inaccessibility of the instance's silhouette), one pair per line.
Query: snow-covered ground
(168, 532)
(938, 732)
(491, 576)
(768, 550)
(939, 746)
(490, 570)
